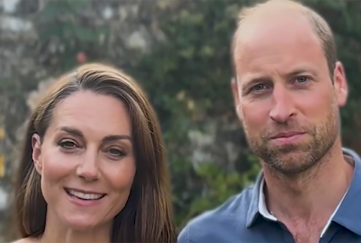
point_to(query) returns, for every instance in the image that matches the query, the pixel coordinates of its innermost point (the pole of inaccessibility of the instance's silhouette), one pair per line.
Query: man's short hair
(321, 28)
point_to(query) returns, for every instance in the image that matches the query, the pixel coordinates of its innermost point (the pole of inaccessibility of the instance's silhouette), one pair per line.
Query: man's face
(284, 94)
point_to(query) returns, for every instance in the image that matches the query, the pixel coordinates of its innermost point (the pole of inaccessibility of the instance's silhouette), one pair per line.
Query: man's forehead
(277, 24)
(273, 7)
(272, 35)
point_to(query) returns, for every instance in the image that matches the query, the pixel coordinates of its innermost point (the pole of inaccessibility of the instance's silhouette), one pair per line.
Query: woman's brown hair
(147, 215)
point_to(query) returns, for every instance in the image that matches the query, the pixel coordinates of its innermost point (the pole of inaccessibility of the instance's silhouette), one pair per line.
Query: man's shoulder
(216, 223)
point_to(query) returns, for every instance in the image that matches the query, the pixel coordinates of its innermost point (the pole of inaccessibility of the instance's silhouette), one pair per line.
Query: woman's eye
(67, 144)
(116, 152)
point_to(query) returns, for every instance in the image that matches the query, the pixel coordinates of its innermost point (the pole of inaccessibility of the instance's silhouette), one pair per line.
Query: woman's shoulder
(25, 240)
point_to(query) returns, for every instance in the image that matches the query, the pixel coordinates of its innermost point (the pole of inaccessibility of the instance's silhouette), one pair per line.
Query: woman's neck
(56, 232)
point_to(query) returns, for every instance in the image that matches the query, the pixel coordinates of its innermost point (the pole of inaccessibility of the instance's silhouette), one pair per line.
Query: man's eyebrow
(299, 71)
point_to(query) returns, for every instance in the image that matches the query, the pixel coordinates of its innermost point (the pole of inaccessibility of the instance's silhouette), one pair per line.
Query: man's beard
(293, 159)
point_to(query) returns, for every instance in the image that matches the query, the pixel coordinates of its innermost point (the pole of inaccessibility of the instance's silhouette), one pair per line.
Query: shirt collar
(262, 208)
(346, 214)
(253, 211)
(349, 214)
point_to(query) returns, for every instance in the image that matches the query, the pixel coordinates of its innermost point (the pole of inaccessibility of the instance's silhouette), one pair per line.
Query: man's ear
(340, 82)
(36, 144)
(235, 92)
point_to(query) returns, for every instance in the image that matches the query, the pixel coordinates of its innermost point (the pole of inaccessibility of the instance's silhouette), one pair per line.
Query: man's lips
(286, 135)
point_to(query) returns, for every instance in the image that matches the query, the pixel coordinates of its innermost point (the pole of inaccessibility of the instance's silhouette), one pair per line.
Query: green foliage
(218, 187)
(187, 80)
(64, 21)
(195, 60)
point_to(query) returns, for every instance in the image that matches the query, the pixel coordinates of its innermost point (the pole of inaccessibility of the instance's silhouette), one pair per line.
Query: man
(287, 92)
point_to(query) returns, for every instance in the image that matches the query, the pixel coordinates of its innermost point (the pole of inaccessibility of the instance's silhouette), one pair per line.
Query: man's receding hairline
(317, 23)
(249, 13)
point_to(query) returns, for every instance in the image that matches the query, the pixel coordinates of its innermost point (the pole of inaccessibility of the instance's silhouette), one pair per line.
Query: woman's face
(86, 160)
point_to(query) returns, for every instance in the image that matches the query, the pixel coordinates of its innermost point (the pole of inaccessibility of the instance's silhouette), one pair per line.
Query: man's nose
(283, 105)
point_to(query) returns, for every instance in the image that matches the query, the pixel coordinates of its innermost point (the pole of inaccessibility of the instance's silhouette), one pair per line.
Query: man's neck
(308, 198)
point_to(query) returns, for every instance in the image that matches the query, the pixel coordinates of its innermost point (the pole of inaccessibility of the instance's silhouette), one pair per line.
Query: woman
(93, 167)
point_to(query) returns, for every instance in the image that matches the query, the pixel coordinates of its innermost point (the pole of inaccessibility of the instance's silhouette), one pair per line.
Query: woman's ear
(36, 144)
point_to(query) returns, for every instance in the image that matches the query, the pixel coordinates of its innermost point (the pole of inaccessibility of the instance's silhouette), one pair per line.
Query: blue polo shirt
(244, 219)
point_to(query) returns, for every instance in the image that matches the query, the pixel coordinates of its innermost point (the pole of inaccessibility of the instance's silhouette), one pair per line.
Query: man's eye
(301, 79)
(259, 87)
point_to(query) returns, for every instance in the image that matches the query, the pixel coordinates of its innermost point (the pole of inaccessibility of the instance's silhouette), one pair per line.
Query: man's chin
(288, 149)
(291, 163)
